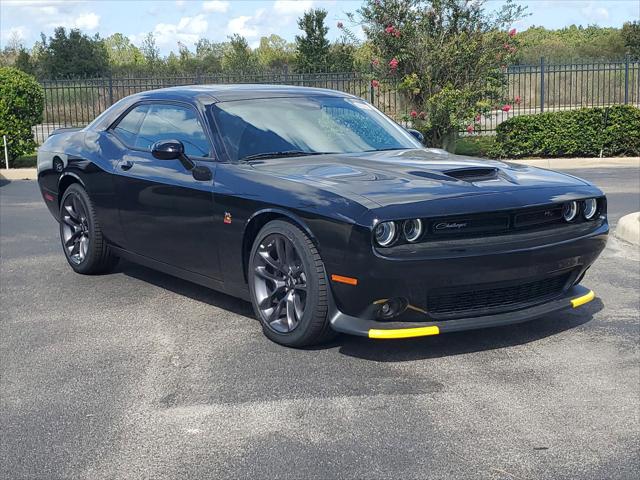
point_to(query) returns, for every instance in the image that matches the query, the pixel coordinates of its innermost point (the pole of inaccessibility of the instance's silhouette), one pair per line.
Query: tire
(83, 244)
(267, 284)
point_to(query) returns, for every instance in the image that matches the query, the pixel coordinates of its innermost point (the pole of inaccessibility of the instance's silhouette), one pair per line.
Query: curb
(628, 228)
(569, 163)
(19, 174)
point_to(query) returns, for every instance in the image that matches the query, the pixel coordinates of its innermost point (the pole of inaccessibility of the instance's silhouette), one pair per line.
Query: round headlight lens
(569, 211)
(590, 208)
(385, 233)
(412, 229)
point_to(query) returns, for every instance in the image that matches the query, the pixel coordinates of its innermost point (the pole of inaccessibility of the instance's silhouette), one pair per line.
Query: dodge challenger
(321, 211)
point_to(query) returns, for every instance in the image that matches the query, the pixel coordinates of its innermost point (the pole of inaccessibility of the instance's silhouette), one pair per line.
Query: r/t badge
(227, 217)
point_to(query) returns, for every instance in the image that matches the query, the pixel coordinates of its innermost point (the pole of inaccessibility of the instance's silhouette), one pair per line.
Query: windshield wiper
(286, 153)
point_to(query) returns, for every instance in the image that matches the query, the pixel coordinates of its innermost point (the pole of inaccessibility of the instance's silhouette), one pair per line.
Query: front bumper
(573, 298)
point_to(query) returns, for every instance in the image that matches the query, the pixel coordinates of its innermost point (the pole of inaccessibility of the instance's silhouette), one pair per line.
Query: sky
(185, 21)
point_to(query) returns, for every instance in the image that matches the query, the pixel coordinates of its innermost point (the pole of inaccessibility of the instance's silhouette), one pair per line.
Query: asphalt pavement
(137, 374)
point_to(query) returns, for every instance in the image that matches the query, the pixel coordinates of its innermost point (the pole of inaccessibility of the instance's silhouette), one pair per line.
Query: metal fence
(531, 88)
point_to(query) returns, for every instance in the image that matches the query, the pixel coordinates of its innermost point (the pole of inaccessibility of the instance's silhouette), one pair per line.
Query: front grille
(449, 302)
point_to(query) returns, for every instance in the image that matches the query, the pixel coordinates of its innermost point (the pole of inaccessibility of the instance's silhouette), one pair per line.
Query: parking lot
(138, 374)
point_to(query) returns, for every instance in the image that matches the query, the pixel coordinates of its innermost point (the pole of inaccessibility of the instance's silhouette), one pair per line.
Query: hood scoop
(473, 174)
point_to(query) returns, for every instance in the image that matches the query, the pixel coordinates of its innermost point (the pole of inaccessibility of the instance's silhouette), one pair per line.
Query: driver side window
(173, 122)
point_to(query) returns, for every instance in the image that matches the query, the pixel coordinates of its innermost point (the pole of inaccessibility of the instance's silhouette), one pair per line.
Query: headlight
(569, 211)
(590, 208)
(412, 229)
(385, 233)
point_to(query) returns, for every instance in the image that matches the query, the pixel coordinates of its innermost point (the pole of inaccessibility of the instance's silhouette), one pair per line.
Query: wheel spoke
(280, 251)
(262, 272)
(266, 258)
(269, 300)
(275, 314)
(291, 311)
(72, 239)
(83, 247)
(300, 286)
(72, 214)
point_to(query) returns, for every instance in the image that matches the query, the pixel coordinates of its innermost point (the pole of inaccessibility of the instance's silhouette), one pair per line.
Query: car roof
(229, 92)
(209, 94)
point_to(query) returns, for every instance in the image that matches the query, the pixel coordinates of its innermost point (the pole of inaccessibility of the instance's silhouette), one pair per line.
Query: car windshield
(280, 127)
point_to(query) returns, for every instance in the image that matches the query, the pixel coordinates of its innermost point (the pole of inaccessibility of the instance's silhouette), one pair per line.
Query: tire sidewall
(302, 332)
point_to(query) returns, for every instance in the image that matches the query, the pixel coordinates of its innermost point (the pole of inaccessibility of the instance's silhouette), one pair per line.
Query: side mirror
(167, 149)
(171, 150)
(418, 135)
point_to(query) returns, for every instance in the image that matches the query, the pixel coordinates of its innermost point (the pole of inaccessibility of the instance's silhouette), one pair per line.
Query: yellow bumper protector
(576, 302)
(404, 332)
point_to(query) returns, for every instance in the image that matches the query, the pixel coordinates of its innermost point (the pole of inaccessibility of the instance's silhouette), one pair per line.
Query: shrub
(21, 104)
(475, 146)
(587, 132)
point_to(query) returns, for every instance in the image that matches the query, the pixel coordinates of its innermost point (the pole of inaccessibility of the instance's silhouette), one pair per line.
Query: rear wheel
(288, 286)
(84, 246)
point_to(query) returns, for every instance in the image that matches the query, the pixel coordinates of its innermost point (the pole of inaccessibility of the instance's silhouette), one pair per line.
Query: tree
(209, 55)
(73, 55)
(121, 52)
(21, 105)
(238, 57)
(448, 57)
(312, 48)
(275, 52)
(150, 51)
(570, 44)
(631, 38)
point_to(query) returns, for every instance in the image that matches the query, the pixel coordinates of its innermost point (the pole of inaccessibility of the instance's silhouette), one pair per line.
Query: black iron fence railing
(530, 88)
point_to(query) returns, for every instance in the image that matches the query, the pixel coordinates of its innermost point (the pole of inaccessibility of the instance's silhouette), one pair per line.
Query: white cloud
(292, 7)
(241, 26)
(87, 21)
(215, 6)
(595, 13)
(188, 30)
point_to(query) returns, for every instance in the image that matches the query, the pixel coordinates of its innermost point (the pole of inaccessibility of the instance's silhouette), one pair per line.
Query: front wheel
(288, 286)
(82, 241)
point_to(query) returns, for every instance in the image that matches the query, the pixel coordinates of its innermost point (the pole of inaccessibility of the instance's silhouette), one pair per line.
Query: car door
(166, 213)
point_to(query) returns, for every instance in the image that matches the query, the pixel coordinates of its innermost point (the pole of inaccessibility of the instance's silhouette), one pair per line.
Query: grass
(475, 146)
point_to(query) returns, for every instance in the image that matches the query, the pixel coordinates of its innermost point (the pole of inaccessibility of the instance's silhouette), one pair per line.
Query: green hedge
(21, 104)
(576, 133)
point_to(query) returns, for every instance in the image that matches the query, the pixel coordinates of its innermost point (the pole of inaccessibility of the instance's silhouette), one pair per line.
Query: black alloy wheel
(75, 228)
(82, 241)
(288, 286)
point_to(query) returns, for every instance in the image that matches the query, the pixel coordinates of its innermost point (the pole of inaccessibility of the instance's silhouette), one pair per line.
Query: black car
(321, 211)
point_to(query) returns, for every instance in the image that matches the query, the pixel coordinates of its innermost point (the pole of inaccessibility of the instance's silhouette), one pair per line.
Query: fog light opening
(392, 307)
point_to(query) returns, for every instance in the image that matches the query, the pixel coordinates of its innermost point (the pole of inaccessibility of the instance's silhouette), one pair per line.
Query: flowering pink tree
(449, 57)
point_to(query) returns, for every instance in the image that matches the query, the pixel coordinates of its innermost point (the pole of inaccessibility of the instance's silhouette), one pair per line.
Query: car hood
(408, 176)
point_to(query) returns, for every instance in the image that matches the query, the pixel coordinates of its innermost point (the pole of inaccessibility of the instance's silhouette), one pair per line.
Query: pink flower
(506, 108)
(413, 114)
(375, 83)
(506, 46)
(470, 129)
(478, 117)
(517, 100)
(397, 33)
(375, 62)
(389, 29)
(340, 25)
(512, 32)
(422, 115)
(393, 63)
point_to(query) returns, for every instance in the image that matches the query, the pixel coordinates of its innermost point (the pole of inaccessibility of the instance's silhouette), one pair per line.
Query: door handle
(126, 165)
